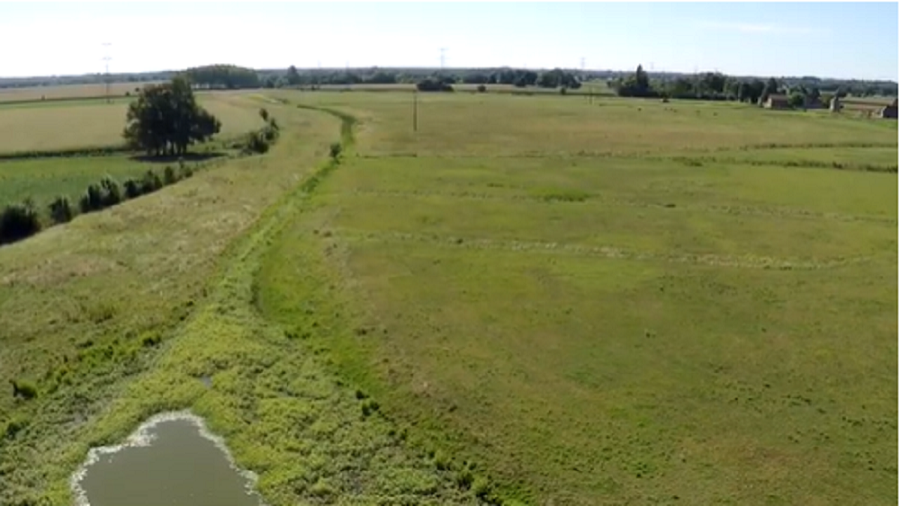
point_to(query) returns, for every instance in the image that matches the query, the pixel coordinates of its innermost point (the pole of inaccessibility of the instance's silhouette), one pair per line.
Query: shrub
(270, 134)
(151, 182)
(111, 192)
(256, 143)
(185, 171)
(169, 175)
(335, 150)
(19, 221)
(273, 124)
(481, 88)
(92, 200)
(132, 189)
(433, 84)
(264, 114)
(61, 210)
(563, 90)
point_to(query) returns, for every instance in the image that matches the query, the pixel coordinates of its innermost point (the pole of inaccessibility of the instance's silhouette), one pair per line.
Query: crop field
(530, 300)
(94, 123)
(67, 91)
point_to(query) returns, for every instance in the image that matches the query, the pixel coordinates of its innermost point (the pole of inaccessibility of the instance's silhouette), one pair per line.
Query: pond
(170, 459)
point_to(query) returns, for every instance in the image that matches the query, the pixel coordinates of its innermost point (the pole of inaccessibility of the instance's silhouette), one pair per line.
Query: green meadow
(529, 300)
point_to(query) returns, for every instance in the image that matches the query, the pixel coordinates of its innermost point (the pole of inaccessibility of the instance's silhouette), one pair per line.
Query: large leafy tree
(771, 88)
(166, 119)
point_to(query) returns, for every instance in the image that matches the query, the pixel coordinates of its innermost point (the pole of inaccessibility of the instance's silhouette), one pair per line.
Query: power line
(106, 59)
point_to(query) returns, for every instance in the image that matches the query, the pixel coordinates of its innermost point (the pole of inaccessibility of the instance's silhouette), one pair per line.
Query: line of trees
(230, 77)
(555, 78)
(718, 86)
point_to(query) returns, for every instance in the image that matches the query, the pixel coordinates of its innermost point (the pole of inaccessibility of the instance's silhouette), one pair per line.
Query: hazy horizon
(826, 40)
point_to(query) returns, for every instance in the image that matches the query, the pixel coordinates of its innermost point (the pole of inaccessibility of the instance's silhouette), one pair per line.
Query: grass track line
(782, 212)
(612, 252)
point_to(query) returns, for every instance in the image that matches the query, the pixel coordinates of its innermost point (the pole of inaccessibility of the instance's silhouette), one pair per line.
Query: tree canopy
(223, 76)
(166, 119)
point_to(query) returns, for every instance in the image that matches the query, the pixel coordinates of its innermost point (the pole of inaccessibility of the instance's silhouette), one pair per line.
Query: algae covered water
(171, 459)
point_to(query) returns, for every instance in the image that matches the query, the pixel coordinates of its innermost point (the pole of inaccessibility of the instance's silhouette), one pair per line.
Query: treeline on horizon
(718, 86)
(672, 84)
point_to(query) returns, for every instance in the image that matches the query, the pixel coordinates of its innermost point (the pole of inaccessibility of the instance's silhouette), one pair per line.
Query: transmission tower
(106, 59)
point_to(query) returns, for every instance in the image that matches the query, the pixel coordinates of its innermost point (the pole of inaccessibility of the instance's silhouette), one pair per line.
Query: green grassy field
(78, 123)
(43, 179)
(604, 329)
(532, 300)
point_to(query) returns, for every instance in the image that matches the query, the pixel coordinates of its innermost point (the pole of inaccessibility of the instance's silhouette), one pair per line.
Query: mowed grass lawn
(604, 329)
(94, 123)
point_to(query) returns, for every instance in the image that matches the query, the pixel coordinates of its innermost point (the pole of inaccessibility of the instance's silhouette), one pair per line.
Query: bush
(264, 114)
(274, 124)
(481, 88)
(19, 221)
(111, 192)
(132, 189)
(61, 210)
(270, 134)
(256, 142)
(151, 182)
(169, 175)
(92, 200)
(563, 90)
(185, 171)
(432, 84)
(335, 150)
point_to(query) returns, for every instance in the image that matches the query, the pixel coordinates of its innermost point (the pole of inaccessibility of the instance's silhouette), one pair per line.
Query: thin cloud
(756, 28)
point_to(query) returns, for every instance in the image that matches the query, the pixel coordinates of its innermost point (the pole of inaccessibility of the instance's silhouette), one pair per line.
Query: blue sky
(823, 39)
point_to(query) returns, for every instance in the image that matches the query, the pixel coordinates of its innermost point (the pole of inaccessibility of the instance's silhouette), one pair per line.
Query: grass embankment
(609, 330)
(100, 364)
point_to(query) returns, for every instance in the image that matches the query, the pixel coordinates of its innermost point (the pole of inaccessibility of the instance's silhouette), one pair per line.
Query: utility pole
(416, 110)
(106, 58)
(590, 92)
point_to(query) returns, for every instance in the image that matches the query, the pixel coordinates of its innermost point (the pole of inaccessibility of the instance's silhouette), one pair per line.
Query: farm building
(776, 102)
(889, 111)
